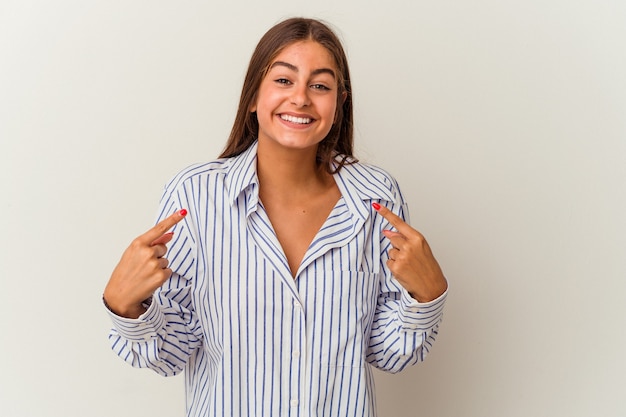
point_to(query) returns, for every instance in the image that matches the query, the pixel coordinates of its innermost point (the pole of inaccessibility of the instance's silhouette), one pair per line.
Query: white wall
(504, 122)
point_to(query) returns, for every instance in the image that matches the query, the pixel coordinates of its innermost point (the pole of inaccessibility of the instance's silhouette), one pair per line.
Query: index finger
(395, 220)
(163, 226)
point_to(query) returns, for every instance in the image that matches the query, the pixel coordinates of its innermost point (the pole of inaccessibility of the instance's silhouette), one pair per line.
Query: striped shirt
(254, 341)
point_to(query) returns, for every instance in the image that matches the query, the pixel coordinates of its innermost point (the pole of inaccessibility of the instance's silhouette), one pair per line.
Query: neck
(289, 171)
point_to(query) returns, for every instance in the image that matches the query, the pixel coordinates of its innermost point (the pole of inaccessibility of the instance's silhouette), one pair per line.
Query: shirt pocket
(339, 316)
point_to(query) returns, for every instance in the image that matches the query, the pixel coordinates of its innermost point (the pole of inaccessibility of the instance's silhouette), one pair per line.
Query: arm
(404, 328)
(163, 334)
(161, 339)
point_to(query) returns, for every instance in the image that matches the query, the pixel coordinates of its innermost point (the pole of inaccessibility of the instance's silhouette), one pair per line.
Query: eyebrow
(295, 69)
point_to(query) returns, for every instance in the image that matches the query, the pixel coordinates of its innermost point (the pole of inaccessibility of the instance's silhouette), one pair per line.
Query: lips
(297, 120)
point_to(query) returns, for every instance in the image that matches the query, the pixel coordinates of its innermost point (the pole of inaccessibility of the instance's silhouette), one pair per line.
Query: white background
(504, 122)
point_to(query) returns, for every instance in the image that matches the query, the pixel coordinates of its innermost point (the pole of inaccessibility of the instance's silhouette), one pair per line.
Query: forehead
(309, 54)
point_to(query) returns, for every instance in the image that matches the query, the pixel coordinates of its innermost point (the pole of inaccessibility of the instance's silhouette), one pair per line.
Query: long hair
(339, 141)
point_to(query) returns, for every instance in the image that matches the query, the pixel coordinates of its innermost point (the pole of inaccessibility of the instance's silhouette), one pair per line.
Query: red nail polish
(376, 206)
(183, 212)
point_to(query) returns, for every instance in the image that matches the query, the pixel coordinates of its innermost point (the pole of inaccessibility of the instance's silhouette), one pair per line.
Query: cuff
(416, 316)
(143, 328)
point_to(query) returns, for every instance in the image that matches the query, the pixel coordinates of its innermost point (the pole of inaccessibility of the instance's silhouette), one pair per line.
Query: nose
(300, 95)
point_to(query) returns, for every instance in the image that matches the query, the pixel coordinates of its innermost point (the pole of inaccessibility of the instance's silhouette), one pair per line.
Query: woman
(283, 282)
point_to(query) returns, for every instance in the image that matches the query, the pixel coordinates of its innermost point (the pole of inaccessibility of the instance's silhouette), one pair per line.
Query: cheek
(265, 101)
(332, 111)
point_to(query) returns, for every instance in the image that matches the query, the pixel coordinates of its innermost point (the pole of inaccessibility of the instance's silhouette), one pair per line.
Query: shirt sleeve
(166, 335)
(403, 330)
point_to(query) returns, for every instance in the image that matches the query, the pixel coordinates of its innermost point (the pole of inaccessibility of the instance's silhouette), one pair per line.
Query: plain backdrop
(503, 121)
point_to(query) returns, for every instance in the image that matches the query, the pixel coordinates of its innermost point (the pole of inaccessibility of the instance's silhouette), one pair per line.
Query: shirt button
(295, 354)
(294, 403)
(297, 304)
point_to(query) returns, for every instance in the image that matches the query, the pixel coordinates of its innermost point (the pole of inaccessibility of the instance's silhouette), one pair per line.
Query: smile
(298, 120)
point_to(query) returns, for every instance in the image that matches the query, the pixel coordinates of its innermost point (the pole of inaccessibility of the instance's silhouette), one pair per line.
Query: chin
(296, 143)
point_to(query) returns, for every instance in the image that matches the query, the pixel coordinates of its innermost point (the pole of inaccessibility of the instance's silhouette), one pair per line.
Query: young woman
(290, 269)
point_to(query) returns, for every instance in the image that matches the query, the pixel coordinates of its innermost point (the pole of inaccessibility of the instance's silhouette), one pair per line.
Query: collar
(241, 174)
(367, 181)
(359, 183)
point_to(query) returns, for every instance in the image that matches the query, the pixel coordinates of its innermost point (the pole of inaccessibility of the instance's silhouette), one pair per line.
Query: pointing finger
(395, 220)
(162, 227)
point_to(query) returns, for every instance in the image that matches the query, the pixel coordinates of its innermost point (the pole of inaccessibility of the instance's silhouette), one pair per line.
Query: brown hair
(339, 140)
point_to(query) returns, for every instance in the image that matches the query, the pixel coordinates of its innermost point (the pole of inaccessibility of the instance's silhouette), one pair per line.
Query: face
(297, 99)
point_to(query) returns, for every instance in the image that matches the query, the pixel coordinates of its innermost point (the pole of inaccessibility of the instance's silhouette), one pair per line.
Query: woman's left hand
(411, 261)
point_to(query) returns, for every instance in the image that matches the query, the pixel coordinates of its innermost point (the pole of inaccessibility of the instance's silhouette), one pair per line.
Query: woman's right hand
(141, 270)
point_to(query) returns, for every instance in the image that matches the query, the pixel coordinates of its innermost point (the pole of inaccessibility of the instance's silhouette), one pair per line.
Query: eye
(282, 81)
(320, 87)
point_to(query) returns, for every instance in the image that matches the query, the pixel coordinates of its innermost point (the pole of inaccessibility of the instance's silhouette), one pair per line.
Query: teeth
(292, 119)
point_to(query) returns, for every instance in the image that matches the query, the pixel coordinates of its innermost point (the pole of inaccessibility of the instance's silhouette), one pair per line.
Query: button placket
(297, 359)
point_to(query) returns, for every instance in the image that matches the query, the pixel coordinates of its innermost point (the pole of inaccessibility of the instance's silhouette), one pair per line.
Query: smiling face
(297, 100)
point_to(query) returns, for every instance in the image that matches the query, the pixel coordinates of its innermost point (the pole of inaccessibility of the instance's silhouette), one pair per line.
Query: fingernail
(376, 206)
(183, 212)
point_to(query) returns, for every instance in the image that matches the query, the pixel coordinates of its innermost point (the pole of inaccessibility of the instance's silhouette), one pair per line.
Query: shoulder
(226, 177)
(372, 171)
(198, 172)
(372, 181)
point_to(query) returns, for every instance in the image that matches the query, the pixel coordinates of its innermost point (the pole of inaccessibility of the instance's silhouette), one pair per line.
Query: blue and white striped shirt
(254, 341)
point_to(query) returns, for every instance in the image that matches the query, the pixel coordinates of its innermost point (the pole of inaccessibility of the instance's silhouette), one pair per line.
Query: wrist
(129, 312)
(430, 294)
